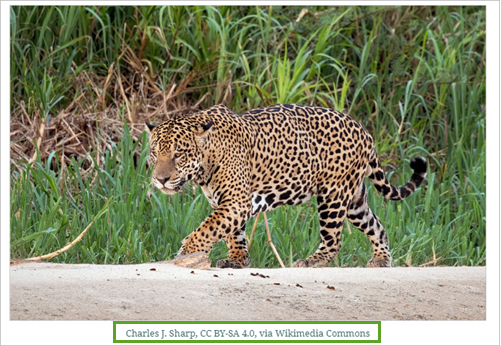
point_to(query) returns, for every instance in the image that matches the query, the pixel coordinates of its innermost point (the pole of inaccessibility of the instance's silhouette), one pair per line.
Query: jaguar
(268, 157)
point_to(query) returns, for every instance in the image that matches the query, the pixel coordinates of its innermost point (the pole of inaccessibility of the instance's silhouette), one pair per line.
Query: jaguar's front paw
(185, 250)
(190, 246)
(181, 252)
(230, 263)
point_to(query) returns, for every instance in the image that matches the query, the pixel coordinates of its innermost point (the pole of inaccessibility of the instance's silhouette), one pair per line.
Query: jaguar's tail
(376, 175)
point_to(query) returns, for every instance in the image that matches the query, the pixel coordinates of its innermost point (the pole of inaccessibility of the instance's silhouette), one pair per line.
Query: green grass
(413, 76)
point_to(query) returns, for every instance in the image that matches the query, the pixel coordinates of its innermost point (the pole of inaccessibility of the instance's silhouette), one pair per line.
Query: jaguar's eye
(178, 155)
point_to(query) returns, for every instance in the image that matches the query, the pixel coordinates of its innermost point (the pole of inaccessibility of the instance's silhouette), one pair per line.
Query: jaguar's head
(176, 151)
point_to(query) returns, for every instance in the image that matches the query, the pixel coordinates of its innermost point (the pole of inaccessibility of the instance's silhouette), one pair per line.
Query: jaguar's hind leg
(332, 212)
(362, 217)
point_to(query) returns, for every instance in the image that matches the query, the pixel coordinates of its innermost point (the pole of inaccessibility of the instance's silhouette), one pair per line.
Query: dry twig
(77, 239)
(269, 237)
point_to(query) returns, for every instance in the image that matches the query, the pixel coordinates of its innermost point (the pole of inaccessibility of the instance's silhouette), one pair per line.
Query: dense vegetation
(83, 80)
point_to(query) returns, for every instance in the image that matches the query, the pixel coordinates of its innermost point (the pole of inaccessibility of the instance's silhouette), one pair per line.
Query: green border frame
(246, 341)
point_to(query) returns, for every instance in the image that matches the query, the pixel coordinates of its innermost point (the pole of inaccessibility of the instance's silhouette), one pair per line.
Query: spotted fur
(262, 159)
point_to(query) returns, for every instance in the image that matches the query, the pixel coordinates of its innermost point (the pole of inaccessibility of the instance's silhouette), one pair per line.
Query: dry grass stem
(270, 242)
(64, 249)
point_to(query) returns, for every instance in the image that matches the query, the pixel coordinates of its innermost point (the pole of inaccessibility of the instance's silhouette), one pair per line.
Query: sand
(160, 291)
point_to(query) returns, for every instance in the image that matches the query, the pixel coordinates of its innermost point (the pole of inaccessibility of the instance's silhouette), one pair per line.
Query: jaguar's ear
(149, 127)
(205, 130)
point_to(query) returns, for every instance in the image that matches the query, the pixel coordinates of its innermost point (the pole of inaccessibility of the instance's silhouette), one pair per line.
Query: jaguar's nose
(163, 180)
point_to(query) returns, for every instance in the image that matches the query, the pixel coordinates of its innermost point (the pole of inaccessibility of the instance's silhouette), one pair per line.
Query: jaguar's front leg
(238, 256)
(228, 223)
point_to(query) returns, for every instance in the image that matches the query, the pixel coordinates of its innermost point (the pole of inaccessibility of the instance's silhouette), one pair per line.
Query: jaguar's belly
(265, 202)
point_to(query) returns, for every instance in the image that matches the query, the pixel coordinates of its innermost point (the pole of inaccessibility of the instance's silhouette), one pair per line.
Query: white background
(393, 333)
